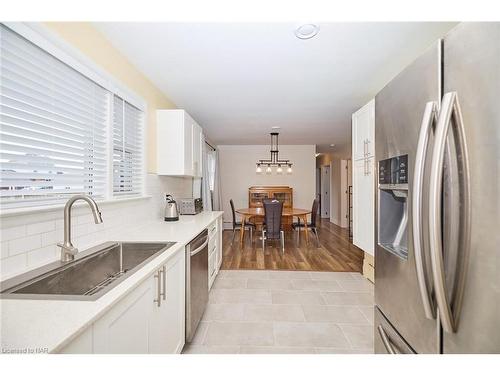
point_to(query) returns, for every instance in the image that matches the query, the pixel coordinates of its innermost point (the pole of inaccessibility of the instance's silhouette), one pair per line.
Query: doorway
(325, 191)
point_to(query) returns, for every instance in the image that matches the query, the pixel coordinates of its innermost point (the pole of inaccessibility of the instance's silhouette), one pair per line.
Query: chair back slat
(233, 212)
(273, 210)
(314, 212)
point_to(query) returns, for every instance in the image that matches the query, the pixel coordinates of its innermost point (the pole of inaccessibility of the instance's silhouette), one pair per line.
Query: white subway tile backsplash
(40, 227)
(42, 256)
(12, 265)
(29, 240)
(24, 244)
(4, 249)
(52, 237)
(13, 232)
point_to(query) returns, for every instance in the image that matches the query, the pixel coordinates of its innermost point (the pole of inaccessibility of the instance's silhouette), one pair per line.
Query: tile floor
(286, 312)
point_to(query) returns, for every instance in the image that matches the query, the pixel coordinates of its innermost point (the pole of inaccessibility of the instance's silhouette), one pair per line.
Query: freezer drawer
(387, 339)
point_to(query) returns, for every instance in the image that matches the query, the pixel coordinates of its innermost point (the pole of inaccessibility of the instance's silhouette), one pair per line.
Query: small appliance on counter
(171, 210)
(190, 206)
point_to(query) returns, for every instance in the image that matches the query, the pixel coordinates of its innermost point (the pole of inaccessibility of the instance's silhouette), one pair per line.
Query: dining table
(247, 213)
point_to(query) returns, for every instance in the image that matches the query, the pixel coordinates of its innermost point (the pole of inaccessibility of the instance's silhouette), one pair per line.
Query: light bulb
(268, 169)
(289, 170)
(259, 169)
(279, 170)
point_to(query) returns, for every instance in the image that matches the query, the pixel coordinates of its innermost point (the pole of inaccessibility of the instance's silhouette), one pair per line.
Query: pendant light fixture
(274, 161)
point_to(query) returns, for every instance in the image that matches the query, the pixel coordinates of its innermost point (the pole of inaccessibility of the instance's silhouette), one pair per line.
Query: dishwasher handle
(200, 248)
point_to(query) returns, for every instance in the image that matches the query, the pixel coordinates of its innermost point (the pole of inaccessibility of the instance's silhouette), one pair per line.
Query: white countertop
(52, 324)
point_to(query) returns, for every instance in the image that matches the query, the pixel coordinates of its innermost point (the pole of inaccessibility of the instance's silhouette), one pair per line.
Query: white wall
(237, 166)
(29, 240)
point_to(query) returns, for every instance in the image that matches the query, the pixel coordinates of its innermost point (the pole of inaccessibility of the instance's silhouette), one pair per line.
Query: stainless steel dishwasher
(196, 282)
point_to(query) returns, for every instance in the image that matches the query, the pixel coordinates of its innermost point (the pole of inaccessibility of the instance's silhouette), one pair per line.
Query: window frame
(53, 44)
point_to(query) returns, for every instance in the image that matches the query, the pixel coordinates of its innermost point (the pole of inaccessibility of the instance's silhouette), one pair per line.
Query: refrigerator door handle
(428, 120)
(385, 340)
(450, 110)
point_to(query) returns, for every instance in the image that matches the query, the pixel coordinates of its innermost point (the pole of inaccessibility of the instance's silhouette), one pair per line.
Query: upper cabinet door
(197, 151)
(363, 132)
(178, 144)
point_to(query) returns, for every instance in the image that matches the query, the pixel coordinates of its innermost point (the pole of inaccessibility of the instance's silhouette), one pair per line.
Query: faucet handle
(68, 252)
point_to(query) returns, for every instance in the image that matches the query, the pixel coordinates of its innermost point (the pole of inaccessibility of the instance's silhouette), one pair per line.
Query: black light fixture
(274, 160)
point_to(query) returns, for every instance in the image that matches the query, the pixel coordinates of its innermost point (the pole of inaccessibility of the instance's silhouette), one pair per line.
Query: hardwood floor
(336, 253)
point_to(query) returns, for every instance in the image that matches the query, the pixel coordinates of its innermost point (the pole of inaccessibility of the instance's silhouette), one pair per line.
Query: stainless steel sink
(92, 274)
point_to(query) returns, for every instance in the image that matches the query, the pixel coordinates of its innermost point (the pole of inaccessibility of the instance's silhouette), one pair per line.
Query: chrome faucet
(68, 251)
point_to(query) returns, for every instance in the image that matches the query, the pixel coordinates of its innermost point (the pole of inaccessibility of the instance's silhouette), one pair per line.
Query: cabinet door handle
(164, 294)
(158, 288)
(367, 148)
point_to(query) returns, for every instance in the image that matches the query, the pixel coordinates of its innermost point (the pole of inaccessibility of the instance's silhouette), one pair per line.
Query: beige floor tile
(357, 275)
(269, 284)
(224, 312)
(360, 336)
(342, 351)
(275, 350)
(289, 275)
(240, 296)
(204, 349)
(243, 274)
(368, 312)
(229, 283)
(200, 333)
(239, 333)
(282, 297)
(269, 313)
(356, 285)
(331, 276)
(317, 285)
(309, 335)
(349, 298)
(334, 314)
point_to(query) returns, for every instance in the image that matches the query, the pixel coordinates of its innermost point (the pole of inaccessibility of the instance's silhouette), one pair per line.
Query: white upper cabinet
(363, 132)
(178, 144)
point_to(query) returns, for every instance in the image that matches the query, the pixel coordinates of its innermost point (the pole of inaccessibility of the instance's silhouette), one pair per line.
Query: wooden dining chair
(237, 224)
(312, 226)
(271, 230)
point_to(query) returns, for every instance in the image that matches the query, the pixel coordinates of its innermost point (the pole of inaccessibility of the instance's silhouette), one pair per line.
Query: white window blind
(53, 127)
(127, 149)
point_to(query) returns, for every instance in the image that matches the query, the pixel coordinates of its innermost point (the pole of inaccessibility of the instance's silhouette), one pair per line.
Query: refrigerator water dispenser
(393, 205)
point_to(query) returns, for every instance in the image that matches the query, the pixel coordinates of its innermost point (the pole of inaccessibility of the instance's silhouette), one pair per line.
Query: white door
(363, 204)
(318, 188)
(325, 191)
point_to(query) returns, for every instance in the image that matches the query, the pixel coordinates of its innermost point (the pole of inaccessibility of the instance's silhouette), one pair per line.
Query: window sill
(56, 207)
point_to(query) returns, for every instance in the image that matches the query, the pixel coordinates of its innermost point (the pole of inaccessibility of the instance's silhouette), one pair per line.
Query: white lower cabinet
(363, 205)
(214, 250)
(138, 323)
(167, 321)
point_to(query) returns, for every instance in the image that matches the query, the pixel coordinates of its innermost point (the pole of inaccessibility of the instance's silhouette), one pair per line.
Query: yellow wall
(91, 42)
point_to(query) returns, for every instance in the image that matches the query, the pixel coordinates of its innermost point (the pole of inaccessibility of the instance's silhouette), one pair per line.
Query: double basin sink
(91, 275)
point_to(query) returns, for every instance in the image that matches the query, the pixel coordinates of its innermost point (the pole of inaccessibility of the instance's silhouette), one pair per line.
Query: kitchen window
(127, 148)
(61, 132)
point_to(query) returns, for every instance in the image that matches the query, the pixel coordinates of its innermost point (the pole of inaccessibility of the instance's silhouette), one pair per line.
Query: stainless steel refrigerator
(437, 232)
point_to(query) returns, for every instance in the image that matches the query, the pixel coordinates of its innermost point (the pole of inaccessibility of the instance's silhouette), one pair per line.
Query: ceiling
(239, 79)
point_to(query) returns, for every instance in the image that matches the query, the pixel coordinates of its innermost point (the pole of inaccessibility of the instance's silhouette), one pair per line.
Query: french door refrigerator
(437, 232)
